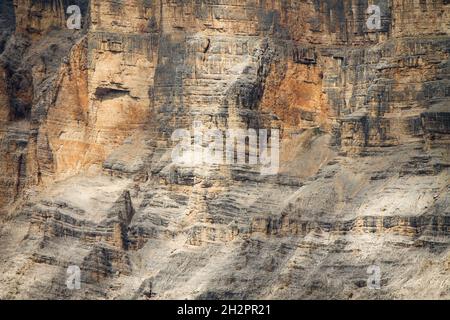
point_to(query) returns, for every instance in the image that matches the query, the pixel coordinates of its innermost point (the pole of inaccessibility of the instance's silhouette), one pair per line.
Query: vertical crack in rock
(122, 213)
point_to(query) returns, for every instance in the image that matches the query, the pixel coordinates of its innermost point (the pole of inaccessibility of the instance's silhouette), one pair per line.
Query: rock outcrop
(88, 179)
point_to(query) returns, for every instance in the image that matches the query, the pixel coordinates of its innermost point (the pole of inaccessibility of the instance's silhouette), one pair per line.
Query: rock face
(87, 176)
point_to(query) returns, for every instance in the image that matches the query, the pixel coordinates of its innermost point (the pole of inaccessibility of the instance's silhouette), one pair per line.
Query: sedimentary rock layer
(87, 176)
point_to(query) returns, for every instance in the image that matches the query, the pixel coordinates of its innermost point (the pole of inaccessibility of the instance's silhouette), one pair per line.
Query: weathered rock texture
(86, 176)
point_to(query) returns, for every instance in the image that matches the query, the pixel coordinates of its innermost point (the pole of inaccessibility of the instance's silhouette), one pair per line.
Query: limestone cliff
(87, 176)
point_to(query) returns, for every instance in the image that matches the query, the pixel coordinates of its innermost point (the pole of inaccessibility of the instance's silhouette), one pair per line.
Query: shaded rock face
(87, 177)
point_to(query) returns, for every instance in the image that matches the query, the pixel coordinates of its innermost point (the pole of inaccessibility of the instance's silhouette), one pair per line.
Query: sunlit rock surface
(87, 178)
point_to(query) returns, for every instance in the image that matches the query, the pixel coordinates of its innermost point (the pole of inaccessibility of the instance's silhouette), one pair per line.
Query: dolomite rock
(87, 179)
